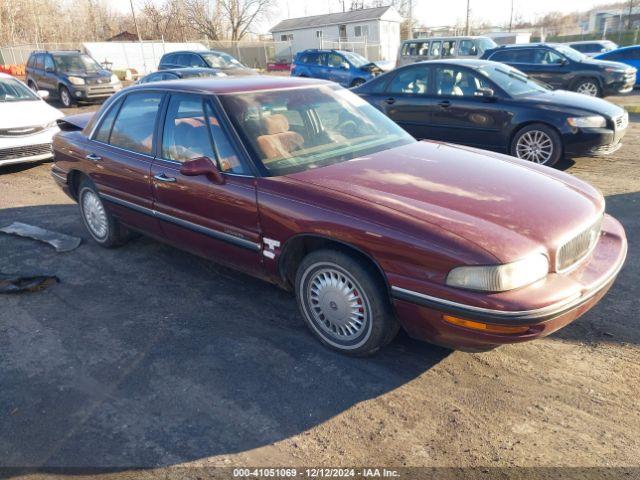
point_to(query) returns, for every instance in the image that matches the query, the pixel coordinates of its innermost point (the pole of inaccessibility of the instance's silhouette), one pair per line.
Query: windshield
(356, 59)
(80, 63)
(485, 44)
(221, 60)
(512, 81)
(294, 130)
(570, 53)
(14, 91)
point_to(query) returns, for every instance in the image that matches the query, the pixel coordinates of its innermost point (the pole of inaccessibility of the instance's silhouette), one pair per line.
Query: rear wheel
(344, 303)
(588, 86)
(101, 225)
(65, 97)
(537, 143)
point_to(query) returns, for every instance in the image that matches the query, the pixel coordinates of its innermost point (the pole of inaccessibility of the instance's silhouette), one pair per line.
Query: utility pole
(466, 29)
(135, 23)
(511, 16)
(410, 19)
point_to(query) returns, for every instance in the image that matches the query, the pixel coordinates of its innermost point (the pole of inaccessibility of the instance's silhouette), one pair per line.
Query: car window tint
(449, 49)
(39, 61)
(544, 56)
(196, 61)
(32, 61)
(467, 47)
(48, 62)
(133, 128)
(413, 80)
(104, 130)
(185, 135)
(435, 49)
(458, 82)
(524, 55)
(335, 60)
(228, 160)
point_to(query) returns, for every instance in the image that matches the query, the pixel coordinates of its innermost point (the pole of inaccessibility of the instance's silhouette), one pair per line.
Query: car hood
(504, 205)
(607, 63)
(563, 98)
(27, 114)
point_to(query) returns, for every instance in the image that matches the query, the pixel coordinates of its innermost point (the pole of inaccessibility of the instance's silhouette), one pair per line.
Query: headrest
(277, 123)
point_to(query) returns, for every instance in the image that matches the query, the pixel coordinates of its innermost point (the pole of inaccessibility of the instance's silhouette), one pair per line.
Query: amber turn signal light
(485, 327)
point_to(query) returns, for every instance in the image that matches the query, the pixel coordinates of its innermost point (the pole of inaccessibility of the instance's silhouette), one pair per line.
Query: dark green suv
(70, 76)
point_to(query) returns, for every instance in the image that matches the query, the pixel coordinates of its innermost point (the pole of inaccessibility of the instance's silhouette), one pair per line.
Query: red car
(304, 184)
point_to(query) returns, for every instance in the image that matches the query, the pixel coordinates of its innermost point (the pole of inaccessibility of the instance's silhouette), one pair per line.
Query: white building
(372, 32)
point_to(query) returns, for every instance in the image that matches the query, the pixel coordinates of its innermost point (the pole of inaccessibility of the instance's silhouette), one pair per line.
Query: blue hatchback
(629, 55)
(346, 68)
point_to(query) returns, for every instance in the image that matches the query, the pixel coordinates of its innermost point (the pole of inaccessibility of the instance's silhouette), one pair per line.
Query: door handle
(390, 100)
(445, 104)
(161, 177)
(93, 157)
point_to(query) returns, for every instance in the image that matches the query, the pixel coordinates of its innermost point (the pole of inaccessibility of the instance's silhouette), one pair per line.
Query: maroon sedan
(303, 184)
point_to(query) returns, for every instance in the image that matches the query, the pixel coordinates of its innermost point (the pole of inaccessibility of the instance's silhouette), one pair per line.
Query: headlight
(616, 70)
(51, 124)
(76, 80)
(114, 78)
(594, 121)
(499, 278)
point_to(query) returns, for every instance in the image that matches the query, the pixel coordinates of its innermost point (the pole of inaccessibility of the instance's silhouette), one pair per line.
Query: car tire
(65, 97)
(537, 143)
(357, 82)
(588, 86)
(104, 229)
(330, 284)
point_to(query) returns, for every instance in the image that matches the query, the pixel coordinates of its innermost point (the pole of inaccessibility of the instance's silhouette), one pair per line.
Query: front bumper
(592, 142)
(27, 148)
(616, 84)
(91, 93)
(543, 307)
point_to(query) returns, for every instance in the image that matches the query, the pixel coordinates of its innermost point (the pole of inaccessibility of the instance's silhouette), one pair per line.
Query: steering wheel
(348, 128)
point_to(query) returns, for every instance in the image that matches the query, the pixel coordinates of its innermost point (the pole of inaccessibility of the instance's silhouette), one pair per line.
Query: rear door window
(133, 128)
(436, 49)
(39, 61)
(448, 49)
(467, 48)
(104, 130)
(48, 62)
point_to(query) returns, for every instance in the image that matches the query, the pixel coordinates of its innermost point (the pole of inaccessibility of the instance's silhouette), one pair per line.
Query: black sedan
(178, 73)
(493, 106)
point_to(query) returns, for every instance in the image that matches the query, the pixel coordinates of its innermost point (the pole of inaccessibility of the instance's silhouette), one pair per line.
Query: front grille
(100, 90)
(98, 81)
(25, 151)
(21, 131)
(578, 247)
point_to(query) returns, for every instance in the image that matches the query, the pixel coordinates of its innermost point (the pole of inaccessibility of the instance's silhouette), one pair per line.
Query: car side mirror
(485, 93)
(49, 69)
(344, 66)
(202, 166)
(43, 94)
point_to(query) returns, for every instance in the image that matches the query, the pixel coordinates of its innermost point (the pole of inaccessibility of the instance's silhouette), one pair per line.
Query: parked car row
(304, 184)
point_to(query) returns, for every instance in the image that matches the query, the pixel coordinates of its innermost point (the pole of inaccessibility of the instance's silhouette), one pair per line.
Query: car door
(338, 69)
(467, 110)
(120, 151)
(550, 67)
(38, 70)
(215, 220)
(49, 79)
(406, 99)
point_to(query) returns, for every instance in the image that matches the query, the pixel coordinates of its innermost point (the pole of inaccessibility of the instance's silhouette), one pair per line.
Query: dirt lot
(148, 357)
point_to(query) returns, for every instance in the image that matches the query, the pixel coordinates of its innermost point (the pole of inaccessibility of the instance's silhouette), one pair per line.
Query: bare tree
(203, 19)
(242, 14)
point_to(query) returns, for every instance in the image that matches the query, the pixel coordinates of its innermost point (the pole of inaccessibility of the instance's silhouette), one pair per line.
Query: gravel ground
(149, 357)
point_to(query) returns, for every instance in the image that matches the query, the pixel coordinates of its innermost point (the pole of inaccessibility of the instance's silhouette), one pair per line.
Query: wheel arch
(74, 177)
(298, 246)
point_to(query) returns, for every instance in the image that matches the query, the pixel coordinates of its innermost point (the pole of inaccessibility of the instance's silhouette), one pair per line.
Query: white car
(27, 123)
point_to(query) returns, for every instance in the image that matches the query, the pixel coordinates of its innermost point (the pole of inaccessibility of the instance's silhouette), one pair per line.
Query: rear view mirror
(202, 166)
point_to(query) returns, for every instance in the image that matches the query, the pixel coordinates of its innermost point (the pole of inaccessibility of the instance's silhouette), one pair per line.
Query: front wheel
(588, 86)
(65, 97)
(344, 303)
(537, 143)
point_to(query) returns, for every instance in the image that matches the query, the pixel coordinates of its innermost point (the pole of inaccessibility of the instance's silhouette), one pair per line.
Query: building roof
(362, 15)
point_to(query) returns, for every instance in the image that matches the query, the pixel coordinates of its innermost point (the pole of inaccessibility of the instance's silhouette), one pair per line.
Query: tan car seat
(278, 142)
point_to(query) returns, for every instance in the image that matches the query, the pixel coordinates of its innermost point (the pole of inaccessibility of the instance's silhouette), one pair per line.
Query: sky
(428, 12)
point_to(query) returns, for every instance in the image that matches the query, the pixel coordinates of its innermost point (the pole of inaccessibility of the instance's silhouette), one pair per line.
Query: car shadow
(615, 317)
(20, 167)
(564, 163)
(146, 356)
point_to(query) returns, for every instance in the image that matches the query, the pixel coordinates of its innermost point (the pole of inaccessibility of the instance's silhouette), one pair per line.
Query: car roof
(582, 42)
(186, 70)
(226, 85)
(464, 62)
(452, 37)
(194, 51)
(526, 45)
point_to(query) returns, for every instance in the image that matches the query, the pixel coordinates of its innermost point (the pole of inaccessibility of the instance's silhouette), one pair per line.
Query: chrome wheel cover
(336, 305)
(588, 88)
(94, 214)
(535, 146)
